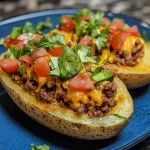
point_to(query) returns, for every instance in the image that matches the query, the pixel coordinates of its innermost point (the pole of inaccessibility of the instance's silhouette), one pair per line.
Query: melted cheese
(41, 81)
(105, 55)
(29, 71)
(112, 57)
(74, 39)
(93, 46)
(76, 97)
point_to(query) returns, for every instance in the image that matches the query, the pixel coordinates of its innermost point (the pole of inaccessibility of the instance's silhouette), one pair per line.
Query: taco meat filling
(49, 94)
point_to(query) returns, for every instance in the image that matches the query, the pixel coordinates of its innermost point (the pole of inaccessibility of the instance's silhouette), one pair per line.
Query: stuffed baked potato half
(66, 121)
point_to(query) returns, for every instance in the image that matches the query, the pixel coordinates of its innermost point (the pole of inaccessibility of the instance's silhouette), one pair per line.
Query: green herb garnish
(69, 63)
(27, 50)
(96, 71)
(13, 52)
(144, 36)
(2, 43)
(119, 116)
(21, 69)
(84, 53)
(58, 38)
(40, 147)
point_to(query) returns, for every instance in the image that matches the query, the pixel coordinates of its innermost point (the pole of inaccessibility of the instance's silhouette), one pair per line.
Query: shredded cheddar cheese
(41, 81)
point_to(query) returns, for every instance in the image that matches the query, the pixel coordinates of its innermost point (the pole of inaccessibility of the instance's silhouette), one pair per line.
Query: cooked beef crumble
(123, 57)
(49, 94)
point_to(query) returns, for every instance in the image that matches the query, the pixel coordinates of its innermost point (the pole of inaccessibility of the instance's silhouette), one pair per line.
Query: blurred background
(136, 8)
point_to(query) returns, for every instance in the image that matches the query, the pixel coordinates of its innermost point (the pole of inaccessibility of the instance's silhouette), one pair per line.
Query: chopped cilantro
(2, 43)
(119, 116)
(96, 71)
(21, 69)
(62, 20)
(58, 38)
(100, 41)
(27, 50)
(126, 26)
(13, 52)
(16, 32)
(54, 65)
(92, 69)
(40, 147)
(69, 63)
(144, 36)
(84, 53)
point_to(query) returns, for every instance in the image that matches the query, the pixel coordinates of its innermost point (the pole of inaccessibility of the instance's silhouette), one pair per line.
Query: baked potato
(58, 80)
(66, 121)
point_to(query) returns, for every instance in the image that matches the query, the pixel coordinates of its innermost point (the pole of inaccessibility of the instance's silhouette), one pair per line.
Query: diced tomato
(27, 59)
(81, 82)
(116, 25)
(8, 41)
(118, 39)
(56, 51)
(37, 37)
(133, 30)
(9, 65)
(39, 53)
(85, 17)
(68, 25)
(110, 37)
(105, 21)
(85, 40)
(41, 67)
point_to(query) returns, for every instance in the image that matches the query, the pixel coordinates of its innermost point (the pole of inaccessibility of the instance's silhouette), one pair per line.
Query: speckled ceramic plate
(18, 131)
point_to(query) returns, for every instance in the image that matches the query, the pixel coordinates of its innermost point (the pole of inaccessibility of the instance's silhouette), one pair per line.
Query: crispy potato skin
(66, 121)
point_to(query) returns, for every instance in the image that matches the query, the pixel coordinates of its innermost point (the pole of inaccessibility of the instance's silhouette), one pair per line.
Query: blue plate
(18, 131)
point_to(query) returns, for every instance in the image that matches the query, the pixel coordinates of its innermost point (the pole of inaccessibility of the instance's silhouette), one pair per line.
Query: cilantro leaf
(69, 63)
(16, 32)
(103, 75)
(21, 69)
(119, 116)
(144, 36)
(2, 43)
(13, 52)
(84, 53)
(58, 38)
(54, 65)
(42, 25)
(82, 12)
(27, 50)
(40, 147)
(100, 41)
(99, 15)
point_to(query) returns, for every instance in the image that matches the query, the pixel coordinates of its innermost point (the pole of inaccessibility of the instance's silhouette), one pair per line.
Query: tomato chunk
(41, 67)
(68, 24)
(39, 53)
(133, 30)
(105, 21)
(81, 82)
(116, 25)
(9, 65)
(56, 51)
(118, 39)
(85, 40)
(8, 41)
(85, 17)
(27, 59)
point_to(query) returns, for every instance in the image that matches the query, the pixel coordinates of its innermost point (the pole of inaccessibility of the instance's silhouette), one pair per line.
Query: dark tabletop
(136, 8)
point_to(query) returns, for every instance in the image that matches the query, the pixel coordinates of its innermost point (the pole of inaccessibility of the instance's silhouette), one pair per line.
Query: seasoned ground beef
(123, 57)
(49, 94)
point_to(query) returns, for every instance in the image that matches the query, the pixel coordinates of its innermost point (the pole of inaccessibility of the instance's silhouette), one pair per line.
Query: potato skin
(82, 127)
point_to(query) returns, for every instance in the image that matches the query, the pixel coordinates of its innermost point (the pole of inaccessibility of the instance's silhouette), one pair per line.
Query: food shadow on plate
(49, 136)
(138, 92)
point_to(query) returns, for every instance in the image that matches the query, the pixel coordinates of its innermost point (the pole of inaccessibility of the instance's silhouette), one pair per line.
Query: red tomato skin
(9, 65)
(85, 17)
(110, 37)
(8, 41)
(56, 51)
(41, 68)
(118, 39)
(69, 25)
(85, 40)
(116, 25)
(27, 59)
(133, 30)
(81, 82)
(105, 21)
(37, 37)
(39, 53)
